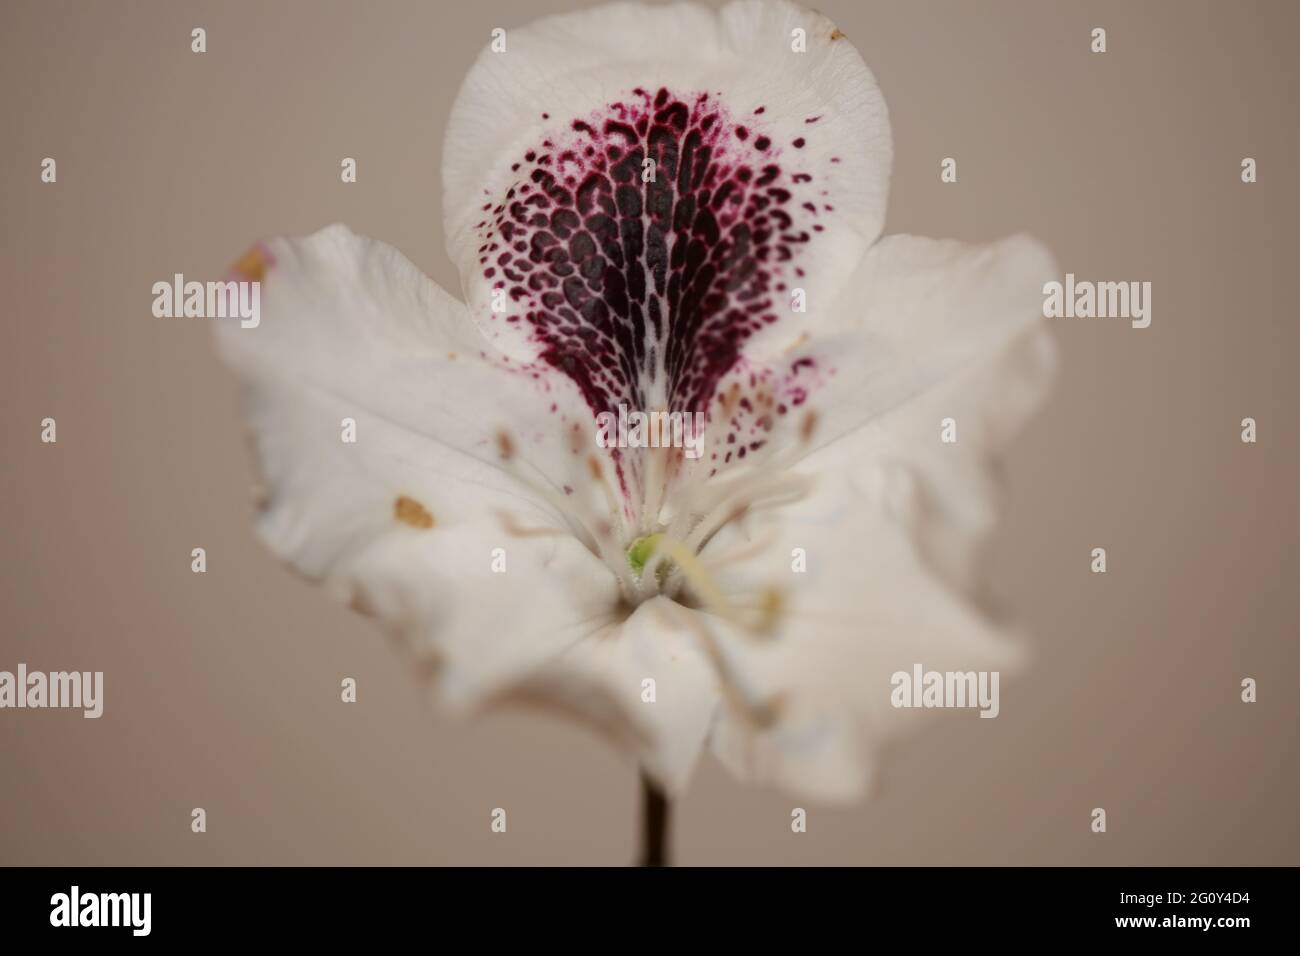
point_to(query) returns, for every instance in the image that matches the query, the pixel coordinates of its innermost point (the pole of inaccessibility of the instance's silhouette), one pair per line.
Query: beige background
(222, 689)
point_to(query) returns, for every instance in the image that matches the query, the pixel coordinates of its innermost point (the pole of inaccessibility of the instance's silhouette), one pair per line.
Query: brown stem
(654, 824)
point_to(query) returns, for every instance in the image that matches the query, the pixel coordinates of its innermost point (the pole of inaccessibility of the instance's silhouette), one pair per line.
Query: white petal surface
(866, 607)
(404, 521)
(919, 314)
(601, 680)
(892, 527)
(938, 330)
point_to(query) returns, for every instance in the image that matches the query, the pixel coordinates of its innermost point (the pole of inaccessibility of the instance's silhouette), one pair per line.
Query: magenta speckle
(633, 286)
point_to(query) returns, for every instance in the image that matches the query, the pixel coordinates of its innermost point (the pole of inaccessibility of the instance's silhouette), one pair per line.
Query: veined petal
(377, 414)
(890, 531)
(602, 681)
(956, 486)
(866, 607)
(918, 315)
(943, 340)
(353, 319)
(927, 330)
(640, 191)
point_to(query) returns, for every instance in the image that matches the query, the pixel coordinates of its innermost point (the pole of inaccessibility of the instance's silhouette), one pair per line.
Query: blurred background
(222, 689)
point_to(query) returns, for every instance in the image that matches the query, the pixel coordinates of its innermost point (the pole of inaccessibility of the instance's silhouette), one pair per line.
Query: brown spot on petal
(261, 497)
(576, 439)
(505, 445)
(767, 713)
(427, 667)
(770, 610)
(838, 34)
(409, 511)
(252, 265)
(360, 603)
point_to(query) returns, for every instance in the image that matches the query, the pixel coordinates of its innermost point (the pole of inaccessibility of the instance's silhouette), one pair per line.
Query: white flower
(665, 286)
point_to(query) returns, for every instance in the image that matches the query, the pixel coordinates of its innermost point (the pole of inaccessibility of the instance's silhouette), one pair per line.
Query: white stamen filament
(596, 534)
(697, 508)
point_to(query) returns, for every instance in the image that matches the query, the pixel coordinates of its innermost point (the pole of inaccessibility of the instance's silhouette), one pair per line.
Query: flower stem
(654, 824)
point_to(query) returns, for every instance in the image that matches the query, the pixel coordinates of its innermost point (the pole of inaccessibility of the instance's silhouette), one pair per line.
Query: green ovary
(640, 551)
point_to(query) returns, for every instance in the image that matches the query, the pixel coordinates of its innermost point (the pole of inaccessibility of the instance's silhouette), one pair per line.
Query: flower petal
(404, 519)
(891, 529)
(866, 607)
(769, 172)
(600, 680)
(917, 315)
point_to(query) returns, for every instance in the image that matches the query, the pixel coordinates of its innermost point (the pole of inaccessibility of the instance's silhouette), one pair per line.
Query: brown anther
(730, 399)
(808, 426)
